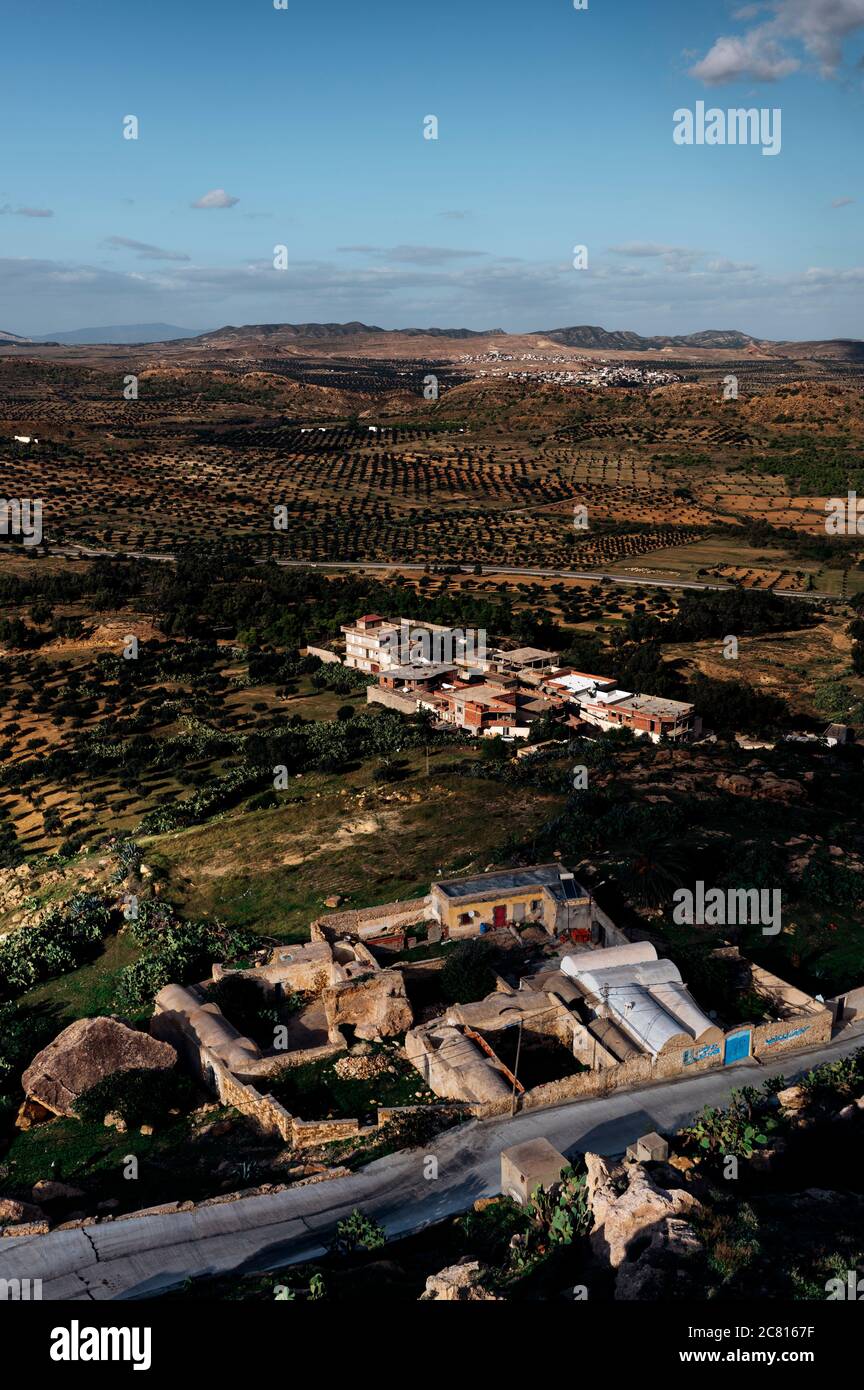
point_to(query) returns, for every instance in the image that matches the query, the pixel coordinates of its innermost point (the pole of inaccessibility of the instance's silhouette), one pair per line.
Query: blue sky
(555, 129)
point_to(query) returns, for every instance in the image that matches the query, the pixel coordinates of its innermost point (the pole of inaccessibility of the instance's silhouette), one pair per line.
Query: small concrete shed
(525, 1167)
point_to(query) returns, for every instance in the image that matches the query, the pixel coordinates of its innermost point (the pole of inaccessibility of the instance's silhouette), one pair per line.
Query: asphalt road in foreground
(141, 1256)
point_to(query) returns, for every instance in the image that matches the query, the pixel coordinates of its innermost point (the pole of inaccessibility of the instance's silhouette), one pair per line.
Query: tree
(467, 973)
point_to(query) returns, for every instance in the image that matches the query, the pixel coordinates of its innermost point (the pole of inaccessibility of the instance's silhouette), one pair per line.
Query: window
(536, 905)
(464, 919)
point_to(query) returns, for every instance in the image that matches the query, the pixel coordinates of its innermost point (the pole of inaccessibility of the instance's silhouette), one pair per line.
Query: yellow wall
(484, 903)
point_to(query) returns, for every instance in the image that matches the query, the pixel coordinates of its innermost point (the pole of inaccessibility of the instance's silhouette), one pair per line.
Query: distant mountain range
(336, 336)
(330, 331)
(118, 333)
(584, 336)
(587, 336)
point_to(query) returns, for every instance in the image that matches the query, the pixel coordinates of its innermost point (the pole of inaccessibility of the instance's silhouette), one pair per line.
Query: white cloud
(753, 56)
(216, 198)
(842, 202)
(641, 248)
(675, 258)
(26, 212)
(522, 296)
(145, 251)
(762, 54)
(413, 255)
(824, 276)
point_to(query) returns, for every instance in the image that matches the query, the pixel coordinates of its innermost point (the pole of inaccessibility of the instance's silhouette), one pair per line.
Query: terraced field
(282, 467)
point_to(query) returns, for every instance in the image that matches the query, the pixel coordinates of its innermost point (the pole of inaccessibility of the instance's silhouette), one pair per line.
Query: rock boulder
(641, 1229)
(375, 1006)
(86, 1052)
(459, 1283)
(14, 1213)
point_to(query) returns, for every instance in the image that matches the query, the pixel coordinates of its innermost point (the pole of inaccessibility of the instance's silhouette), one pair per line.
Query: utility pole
(516, 1069)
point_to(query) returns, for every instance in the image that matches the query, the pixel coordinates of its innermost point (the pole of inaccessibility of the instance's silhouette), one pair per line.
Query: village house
(647, 715)
(599, 1015)
(546, 897)
(490, 707)
(525, 659)
(374, 644)
(643, 997)
(497, 709)
(545, 894)
(605, 1018)
(367, 643)
(581, 1012)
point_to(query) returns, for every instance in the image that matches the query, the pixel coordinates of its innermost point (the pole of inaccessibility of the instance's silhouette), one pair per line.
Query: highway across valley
(594, 576)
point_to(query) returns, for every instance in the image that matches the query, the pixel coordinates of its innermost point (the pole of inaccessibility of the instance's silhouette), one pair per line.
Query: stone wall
(271, 1066)
(611, 935)
(848, 1007)
(370, 921)
(769, 1040)
(306, 1134)
(391, 699)
(324, 654)
(802, 1030)
(786, 999)
(263, 1111)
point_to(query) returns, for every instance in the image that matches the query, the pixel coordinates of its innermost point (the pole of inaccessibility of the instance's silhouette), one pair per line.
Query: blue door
(737, 1046)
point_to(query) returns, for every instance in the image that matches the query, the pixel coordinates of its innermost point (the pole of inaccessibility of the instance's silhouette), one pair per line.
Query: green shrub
(141, 1097)
(467, 973)
(65, 938)
(358, 1232)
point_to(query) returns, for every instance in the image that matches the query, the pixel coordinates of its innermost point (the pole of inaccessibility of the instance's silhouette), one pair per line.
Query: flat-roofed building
(374, 643)
(526, 659)
(545, 894)
(499, 708)
(649, 716)
(369, 642)
(578, 684)
(416, 676)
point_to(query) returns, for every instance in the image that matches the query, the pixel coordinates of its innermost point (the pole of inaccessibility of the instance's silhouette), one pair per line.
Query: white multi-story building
(364, 648)
(374, 644)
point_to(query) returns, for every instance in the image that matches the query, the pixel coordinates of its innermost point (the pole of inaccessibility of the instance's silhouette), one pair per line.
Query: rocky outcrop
(26, 897)
(31, 1113)
(47, 1190)
(14, 1213)
(657, 1273)
(793, 1099)
(641, 1229)
(375, 1006)
(767, 787)
(459, 1283)
(86, 1052)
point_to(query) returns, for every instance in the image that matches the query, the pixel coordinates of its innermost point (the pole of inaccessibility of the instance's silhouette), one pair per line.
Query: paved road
(145, 1255)
(84, 552)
